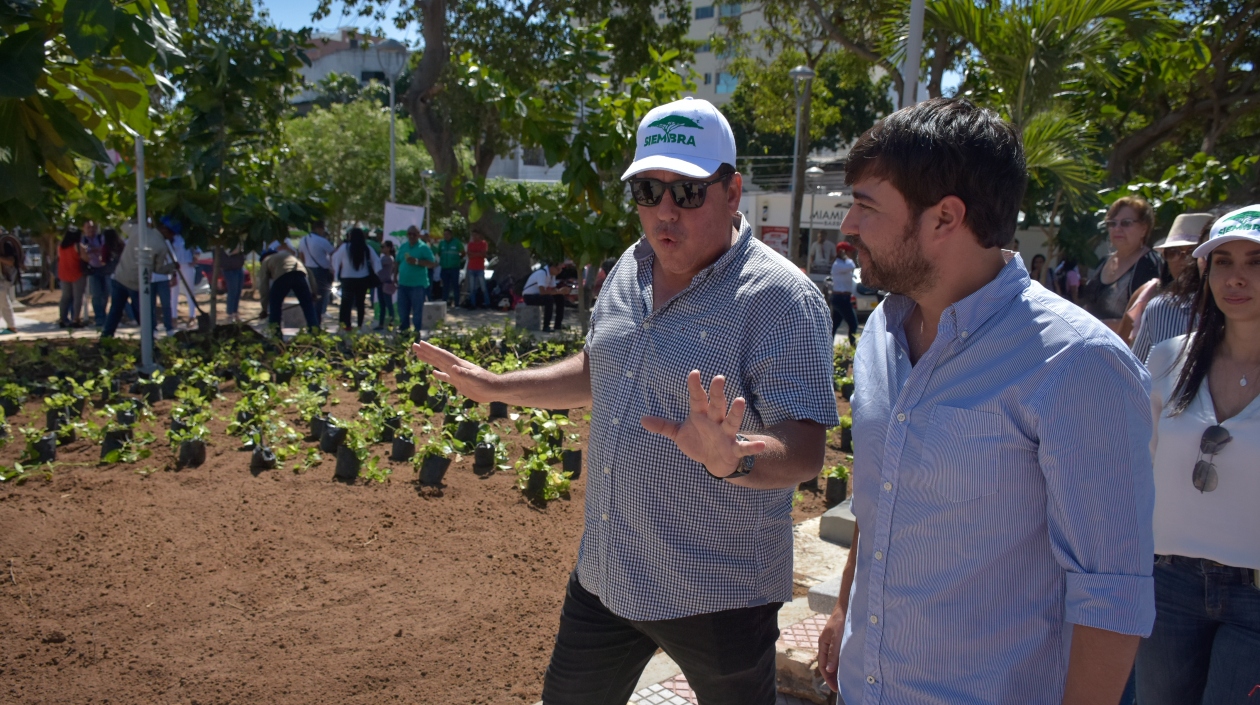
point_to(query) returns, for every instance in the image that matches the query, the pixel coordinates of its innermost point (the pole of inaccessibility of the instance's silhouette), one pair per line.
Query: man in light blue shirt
(1002, 477)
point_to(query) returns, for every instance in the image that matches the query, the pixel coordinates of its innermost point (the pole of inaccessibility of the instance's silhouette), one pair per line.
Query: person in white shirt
(1205, 647)
(541, 290)
(354, 265)
(842, 292)
(315, 250)
(821, 255)
(185, 257)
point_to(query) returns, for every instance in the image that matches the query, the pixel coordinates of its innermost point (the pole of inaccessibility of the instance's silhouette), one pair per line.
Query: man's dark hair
(949, 147)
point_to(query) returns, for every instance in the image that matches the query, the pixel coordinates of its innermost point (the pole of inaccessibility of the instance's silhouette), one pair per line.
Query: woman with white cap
(1205, 645)
(1165, 311)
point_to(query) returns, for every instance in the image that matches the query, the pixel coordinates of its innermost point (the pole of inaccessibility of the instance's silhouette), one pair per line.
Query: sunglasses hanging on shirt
(1204, 477)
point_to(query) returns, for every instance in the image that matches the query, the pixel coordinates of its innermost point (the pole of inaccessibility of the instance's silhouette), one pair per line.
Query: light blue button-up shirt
(1003, 490)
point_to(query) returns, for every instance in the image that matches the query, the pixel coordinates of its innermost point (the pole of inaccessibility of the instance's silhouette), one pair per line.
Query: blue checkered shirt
(663, 538)
(1003, 489)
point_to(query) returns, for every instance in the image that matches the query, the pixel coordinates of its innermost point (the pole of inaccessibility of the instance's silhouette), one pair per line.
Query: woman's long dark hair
(1202, 343)
(72, 237)
(358, 247)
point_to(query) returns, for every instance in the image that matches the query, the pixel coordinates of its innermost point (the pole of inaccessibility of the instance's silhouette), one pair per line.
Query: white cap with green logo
(1242, 224)
(688, 137)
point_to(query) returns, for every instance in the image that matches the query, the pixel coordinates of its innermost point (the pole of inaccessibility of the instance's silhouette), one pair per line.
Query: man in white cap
(688, 538)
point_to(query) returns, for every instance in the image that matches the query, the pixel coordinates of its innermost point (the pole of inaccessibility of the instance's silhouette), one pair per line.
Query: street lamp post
(814, 176)
(801, 78)
(426, 175)
(914, 53)
(391, 54)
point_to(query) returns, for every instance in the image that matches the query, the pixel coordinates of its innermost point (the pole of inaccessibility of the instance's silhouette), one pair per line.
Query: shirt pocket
(958, 453)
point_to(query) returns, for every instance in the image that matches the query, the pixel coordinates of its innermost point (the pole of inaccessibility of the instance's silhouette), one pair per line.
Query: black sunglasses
(1214, 439)
(686, 194)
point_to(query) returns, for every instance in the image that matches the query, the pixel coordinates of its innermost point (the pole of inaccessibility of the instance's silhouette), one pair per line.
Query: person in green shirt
(414, 259)
(451, 259)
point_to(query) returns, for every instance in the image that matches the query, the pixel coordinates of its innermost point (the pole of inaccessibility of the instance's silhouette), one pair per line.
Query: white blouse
(1223, 525)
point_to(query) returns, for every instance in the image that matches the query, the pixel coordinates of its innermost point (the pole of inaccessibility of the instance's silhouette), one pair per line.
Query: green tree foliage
(844, 103)
(75, 73)
(345, 149)
(588, 123)
(227, 134)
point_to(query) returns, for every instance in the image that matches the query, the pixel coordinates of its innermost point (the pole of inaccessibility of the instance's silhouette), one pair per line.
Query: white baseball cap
(1242, 224)
(688, 137)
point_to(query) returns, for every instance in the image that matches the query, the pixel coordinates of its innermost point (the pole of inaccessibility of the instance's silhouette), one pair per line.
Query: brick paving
(804, 634)
(676, 691)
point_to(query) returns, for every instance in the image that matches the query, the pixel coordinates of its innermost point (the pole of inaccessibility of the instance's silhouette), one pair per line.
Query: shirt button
(870, 679)
(646, 325)
(874, 619)
(901, 418)
(704, 333)
(607, 471)
(604, 517)
(879, 555)
(615, 422)
(629, 374)
(887, 486)
(963, 334)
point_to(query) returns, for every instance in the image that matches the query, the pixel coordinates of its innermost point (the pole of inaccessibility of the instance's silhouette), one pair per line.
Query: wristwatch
(743, 467)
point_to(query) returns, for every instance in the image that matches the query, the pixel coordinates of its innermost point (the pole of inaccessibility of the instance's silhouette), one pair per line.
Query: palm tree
(1029, 52)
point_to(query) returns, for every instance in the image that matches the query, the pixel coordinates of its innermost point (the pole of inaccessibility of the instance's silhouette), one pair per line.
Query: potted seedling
(846, 434)
(191, 442)
(116, 437)
(434, 459)
(263, 458)
(12, 396)
(571, 458)
(846, 388)
(837, 489)
(334, 435)
(403, 447)
(352, 452)
(498, 410)
(368, 392)
(41, 447)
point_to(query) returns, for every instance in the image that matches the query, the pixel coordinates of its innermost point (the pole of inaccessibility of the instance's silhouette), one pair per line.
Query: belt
(1248, 575)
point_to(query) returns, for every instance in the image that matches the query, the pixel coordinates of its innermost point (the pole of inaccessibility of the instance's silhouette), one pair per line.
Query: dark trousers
(1205, 646)
(119, 298)
(555, 301)
(842, 311)
(450, 285)
(353, 293)
(728, 656)
(295, 283)
(387, 307)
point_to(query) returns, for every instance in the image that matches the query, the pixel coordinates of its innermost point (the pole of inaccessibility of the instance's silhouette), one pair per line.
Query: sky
(296, 14)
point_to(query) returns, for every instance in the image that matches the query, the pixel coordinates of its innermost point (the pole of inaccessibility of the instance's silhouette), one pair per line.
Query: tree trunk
(434, 130)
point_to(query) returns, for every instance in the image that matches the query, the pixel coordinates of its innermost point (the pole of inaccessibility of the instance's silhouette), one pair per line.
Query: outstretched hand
(707, 436)
(469, 380)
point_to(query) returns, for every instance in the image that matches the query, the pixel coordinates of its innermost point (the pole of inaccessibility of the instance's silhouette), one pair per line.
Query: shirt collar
(964, 317)
(644, 254)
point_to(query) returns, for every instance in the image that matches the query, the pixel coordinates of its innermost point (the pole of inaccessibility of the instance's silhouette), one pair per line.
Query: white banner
(399, 217)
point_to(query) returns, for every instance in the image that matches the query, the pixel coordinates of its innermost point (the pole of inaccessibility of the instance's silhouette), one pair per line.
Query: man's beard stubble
(903, 269)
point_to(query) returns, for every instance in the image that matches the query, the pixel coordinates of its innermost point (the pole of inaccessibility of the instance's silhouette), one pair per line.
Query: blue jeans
(233, 279)
(450, 285)
(98, 288)
(387, 306)
(410, 304)
(161, 291)
(477, 284)
(1205, 647)
(119, 296)
(323, 290)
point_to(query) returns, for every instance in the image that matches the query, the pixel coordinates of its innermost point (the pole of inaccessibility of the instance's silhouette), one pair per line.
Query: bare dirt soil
(213, 585)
